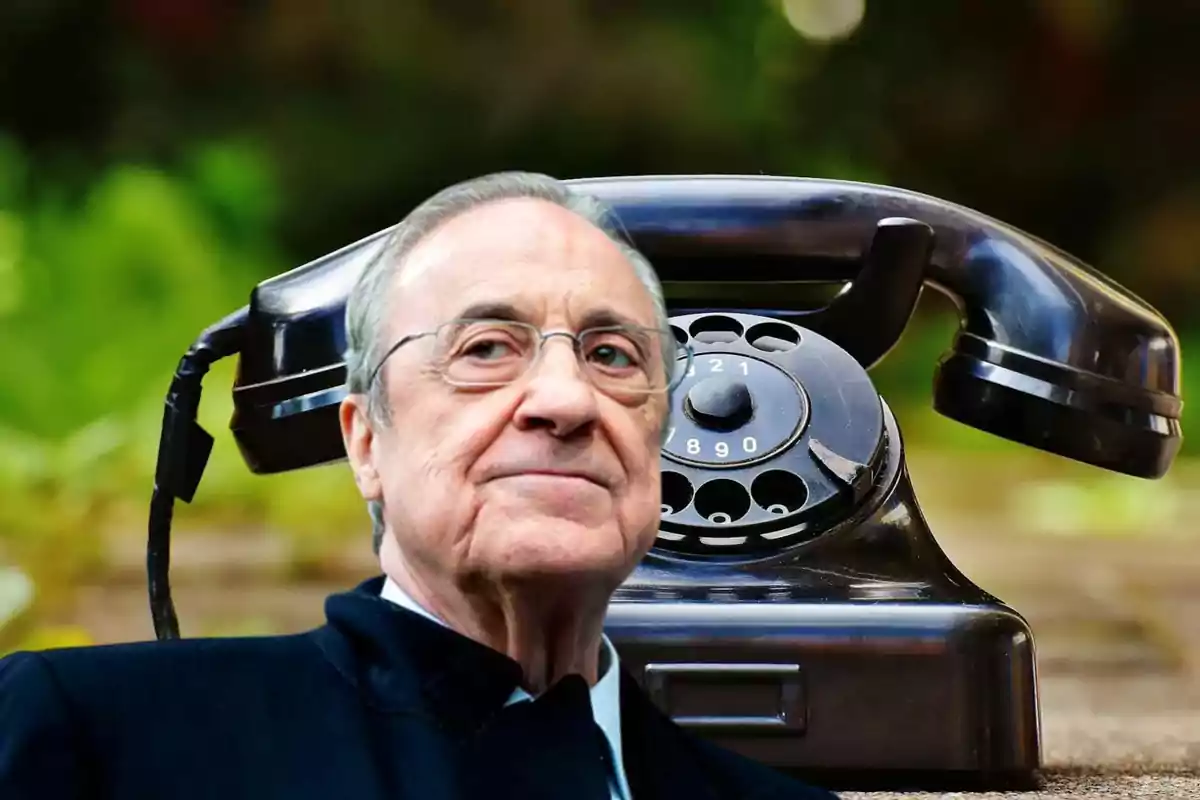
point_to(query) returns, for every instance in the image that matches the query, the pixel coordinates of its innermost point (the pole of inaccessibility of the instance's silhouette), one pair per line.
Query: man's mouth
(551, 474)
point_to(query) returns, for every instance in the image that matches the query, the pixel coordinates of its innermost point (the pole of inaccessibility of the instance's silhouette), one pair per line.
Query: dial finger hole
(779, 492)
(716, 329)
(676, 492)
(773, 337)
(722, 501)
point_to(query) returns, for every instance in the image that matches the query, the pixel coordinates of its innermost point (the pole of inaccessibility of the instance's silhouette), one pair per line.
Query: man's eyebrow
(605, 318)
(492, 310)
(596, 318)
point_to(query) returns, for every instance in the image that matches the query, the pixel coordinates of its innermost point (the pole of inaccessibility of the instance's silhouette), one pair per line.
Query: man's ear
(358, 436)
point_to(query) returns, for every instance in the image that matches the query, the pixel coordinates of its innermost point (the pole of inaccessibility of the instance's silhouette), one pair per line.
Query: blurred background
(160, 157)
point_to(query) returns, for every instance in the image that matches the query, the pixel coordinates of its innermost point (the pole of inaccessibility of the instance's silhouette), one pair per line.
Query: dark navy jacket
(378, 704)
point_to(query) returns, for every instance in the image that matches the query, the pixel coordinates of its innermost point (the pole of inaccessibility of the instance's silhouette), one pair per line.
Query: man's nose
(558, 395)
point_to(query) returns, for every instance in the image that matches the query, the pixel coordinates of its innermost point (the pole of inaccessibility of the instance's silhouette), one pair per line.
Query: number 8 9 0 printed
(721, 449)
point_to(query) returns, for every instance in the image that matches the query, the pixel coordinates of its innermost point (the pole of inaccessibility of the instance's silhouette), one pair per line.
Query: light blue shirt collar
(606, 694)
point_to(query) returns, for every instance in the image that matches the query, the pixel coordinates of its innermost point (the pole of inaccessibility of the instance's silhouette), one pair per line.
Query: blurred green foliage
(102, 289)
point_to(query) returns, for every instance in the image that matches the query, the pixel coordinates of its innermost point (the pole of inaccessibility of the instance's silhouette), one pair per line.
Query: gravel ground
(1072, 787)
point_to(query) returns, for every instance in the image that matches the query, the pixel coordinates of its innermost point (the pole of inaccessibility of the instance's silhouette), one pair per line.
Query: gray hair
(366, 309)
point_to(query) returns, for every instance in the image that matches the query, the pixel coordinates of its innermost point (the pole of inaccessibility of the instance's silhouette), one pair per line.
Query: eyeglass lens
(498, 352)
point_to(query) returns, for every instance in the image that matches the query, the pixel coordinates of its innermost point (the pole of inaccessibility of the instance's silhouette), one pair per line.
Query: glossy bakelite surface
(1050, 353)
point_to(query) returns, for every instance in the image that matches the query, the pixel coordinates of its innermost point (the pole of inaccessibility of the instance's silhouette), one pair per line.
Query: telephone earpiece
(1050, 353)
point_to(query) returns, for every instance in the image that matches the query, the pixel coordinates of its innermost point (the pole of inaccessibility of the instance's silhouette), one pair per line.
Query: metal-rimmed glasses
(620, 360)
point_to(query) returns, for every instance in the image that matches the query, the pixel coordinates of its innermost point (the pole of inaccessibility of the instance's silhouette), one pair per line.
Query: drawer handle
(717, 695)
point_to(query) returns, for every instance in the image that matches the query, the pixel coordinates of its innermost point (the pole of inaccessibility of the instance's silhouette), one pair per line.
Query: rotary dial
(733, 410)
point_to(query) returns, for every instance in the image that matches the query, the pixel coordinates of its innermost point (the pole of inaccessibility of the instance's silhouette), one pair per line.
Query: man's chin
(545, 499)
(555, 549)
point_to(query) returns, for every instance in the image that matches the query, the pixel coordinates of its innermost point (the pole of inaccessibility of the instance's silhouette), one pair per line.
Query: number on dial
(721, 449)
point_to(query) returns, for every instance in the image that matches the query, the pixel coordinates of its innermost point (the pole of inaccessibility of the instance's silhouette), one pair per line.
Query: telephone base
(896, 694)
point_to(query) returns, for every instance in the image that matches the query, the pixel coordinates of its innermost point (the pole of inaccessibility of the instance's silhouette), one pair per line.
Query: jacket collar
(402, 661)
(605, 694)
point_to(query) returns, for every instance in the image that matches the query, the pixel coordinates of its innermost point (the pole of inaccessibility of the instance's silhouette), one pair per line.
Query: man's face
(546, 476)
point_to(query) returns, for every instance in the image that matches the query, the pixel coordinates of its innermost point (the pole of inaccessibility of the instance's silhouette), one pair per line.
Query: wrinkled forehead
(525, 259)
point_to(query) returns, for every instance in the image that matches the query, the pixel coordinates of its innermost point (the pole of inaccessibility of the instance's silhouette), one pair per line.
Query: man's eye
(489, 349)
(613, 356)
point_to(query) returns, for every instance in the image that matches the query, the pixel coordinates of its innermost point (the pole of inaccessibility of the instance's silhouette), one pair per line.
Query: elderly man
(509, 372)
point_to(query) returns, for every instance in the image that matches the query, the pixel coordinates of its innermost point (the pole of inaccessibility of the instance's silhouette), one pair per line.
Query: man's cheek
(461, 435)
(643, 506)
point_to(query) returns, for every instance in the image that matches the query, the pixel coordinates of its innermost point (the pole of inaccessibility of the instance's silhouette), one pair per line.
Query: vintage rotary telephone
(797, 606)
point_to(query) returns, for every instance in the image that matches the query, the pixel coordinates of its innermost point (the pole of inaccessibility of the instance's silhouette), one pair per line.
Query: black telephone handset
(1050, 353)
(796, 606)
